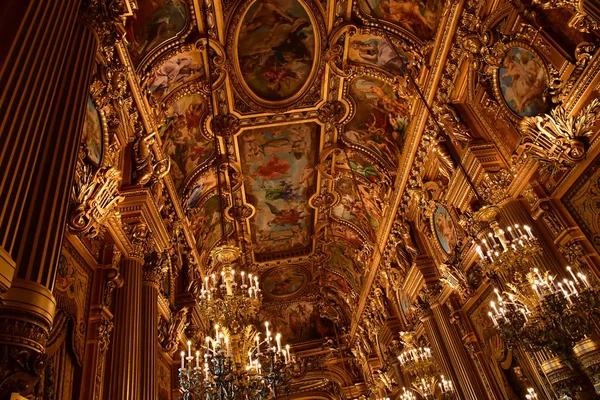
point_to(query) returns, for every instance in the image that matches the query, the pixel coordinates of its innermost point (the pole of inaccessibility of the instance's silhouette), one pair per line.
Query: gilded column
(437, 346)
(45, 76)
(124, 377)
(468, 378)
(153, 273)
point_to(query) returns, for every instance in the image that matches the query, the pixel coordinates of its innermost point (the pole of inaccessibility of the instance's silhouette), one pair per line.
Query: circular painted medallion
(523, 80)
(283, 282)
(443, 227)
(276, 48)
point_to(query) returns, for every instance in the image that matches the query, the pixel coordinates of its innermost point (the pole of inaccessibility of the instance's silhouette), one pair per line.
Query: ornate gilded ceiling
(312, 115)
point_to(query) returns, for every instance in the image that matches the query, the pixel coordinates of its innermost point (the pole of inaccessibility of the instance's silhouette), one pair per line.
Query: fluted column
(125, 367)
(439, 349)
(152, 277)
(45, 77)
(468, 378)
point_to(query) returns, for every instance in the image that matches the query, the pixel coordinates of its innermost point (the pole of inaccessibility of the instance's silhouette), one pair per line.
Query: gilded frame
(317, 70)
(495, 71)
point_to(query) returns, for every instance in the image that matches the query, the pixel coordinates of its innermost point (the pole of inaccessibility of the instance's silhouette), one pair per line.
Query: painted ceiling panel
(419, 18)
(276, 48)
(155, 22)
(182, 137)
(380, 120)
(279, 170)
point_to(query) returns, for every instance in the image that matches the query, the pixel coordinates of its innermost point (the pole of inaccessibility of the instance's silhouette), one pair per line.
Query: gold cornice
(139, 205)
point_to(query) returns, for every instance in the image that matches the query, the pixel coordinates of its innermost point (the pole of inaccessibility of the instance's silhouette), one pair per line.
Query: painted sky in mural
(182, 137)
(419, 17)
(343, 260)
(276, 48)
(380, 120)
(205, 221)
(279, 169)
(362, 210)
(154, 22)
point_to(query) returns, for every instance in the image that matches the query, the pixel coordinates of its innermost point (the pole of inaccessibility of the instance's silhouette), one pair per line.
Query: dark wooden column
(152, 277)
(45, 77)
(124, 372)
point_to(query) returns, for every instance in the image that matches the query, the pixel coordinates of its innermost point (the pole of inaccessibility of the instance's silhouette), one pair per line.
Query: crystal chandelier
(531, 394)
(235, 363)
(506, 252)
(419, 362)
(547, 314)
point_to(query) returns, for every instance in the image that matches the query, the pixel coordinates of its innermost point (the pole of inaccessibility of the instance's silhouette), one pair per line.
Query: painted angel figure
(380, 53)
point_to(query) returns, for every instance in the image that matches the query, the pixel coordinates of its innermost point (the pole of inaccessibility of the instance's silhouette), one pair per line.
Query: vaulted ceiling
(312, 115)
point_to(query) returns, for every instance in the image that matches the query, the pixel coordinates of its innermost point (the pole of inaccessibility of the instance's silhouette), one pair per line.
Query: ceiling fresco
(317, 121)
(276, 48)
(154, 23)
(380, 120)
(175, 72)
(182, 137)
(279, 170)
(418, 18)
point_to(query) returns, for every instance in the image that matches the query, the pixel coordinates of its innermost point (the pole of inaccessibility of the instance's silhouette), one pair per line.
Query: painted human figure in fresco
(445, 229)
(418, 17)
(379, 52)
(523, 81)
(182, 137)
(172, 71)
(154, 22)
(381, 118)
(276, 48)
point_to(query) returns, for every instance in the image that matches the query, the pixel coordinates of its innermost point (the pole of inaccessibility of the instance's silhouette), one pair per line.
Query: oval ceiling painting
(523, 82)
(276, 48)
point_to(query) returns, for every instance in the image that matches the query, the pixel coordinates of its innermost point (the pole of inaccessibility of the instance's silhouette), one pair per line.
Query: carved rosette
(332, 112)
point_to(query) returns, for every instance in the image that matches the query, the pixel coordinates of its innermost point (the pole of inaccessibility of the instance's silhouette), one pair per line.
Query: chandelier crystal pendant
(549, 314)
(235, 363)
